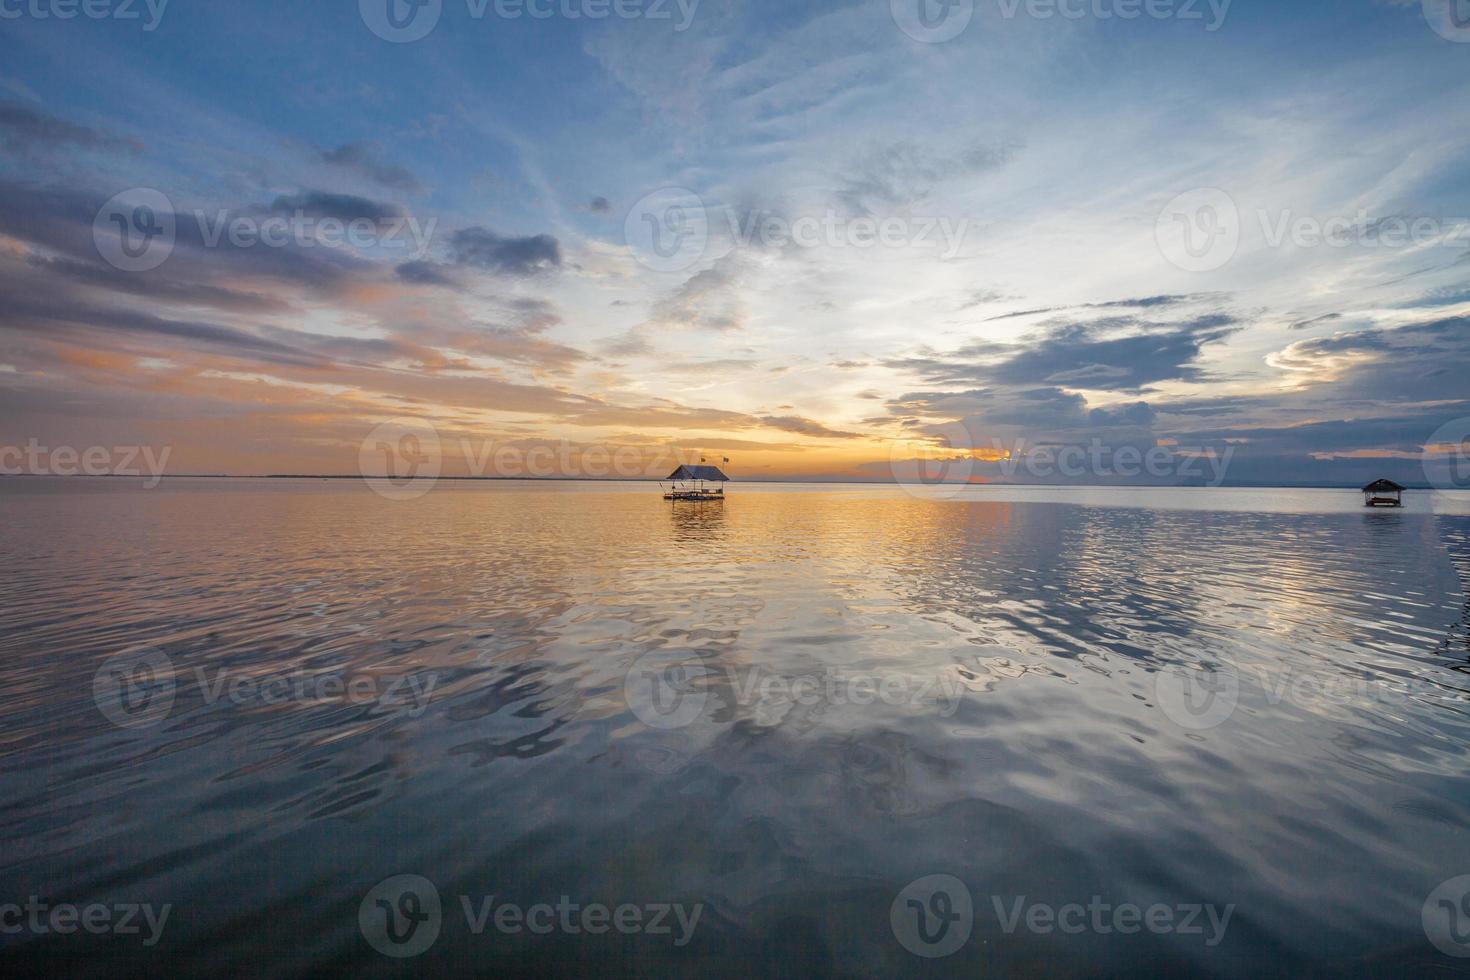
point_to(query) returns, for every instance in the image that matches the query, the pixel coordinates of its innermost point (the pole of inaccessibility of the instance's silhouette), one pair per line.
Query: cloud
(346, 208)
(898, 174)
(806, 427)
(1142, 303)
(600, 205)
(422, 273)
(482, 248)
(708, 300)
(22, 127)
(159, 287)
(982, 297)
(1031, 410)
(60, 219)
(1324, 318)
(366, 159)
(1115, 354)
(1416, 362)
(27, 310)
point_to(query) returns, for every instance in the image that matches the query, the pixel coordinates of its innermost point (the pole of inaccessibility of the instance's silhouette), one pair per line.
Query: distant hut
(696, 483)
(1383, 493)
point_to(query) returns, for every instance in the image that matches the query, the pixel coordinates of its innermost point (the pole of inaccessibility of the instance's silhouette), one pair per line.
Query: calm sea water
(257, 703)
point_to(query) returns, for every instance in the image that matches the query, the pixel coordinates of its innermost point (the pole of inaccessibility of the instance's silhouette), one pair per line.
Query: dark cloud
(25, 309)
(1324, 318)
(421, 273)
(1115, 354)
(154, 285)
(366, 159)
(482, 248)
(60, 219)
(22, 126)
(899, 174)
(344, 207)
(1420, 362)
(600, 205)
(1135, 415)
(1141, 303)
(1215, 407)
(806, 427)
(1035, 410)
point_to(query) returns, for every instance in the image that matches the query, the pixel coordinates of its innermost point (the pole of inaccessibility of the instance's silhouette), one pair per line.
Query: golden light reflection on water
(886, 685)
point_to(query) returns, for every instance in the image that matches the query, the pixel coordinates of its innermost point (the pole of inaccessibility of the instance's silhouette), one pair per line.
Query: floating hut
(1383, 493)
(696, 483)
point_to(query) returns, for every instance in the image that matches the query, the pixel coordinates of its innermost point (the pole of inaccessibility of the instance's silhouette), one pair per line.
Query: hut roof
(1383, 486)
(710, 474)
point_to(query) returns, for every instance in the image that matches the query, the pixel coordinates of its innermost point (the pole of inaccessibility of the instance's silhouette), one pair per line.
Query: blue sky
(1031, 171)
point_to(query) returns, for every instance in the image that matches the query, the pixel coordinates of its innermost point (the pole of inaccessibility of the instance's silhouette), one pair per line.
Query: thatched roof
(710, 474)
(1383, 486)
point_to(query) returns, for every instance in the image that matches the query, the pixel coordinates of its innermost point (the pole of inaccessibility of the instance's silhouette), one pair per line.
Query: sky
(1185, 241)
